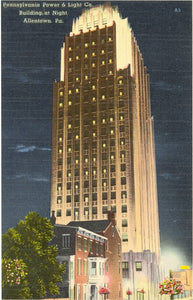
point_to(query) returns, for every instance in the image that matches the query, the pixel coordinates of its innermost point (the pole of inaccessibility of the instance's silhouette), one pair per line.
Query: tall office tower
(103, 149)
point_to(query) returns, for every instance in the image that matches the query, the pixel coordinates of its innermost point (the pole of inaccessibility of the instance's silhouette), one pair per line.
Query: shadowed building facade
(103, 147)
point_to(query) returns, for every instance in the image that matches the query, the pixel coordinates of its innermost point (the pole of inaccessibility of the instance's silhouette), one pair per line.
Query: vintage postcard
(96, 137)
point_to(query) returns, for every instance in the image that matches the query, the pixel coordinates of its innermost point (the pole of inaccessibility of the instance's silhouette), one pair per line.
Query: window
(119, 267)
(118, 248)
(94, 210)
(138, 266)
(113, 209)
(76, 198)
(97, 248)
(85, 267)
(123, 194)
(104, 210)
(79, 243)
(113, 181)
(113, 195)
(68, 212)
(113, 168)
(101, 249)
(59, 200)
(94, 197)
(79, 266)
(124, 208)
(85, 244)
(93, 268)
(90, 246)
(104, 196)
(66, 241)
(123, 167)
(68, 199)
(59, 213)
(124, 237)
(123, 180)
(125, 265)
(124, 223)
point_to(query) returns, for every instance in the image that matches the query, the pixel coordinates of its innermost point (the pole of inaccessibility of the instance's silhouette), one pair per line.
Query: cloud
(28, 177)
(162, 85)
(25, 149)
(168, 176)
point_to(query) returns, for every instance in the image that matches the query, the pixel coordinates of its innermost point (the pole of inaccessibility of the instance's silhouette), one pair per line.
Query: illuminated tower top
(101, 16)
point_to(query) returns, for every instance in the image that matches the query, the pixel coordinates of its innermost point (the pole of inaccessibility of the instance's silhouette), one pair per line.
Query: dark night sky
(30, 63)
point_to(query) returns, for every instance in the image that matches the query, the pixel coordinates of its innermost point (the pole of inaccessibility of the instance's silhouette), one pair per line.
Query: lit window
(69, 126)
(69, 103)
(70, 59)
(111, 119)
(86, 172)
(110, 72)
(138, 265)
(61, 104)
(94, 172)
(120, 93)
(61, 93)
(77, 90)
(76, 161)
(69, 149)
(102, 51)
(112, 156)
(103, 121)
(77, 78)
(121, 117)
(93, 65)
(94, 159)
(77, 137)
(93, 87)
(59, 200)
(70, 48)
(86, 77)
(94, 134)
(93, 54)
(77, 57)
(103, 97)
(93, 43)
(103, 62)
(69, 92)
(122, 141)
(112, 131)
(104, 145)
(120, 81)
(94, 122)
(104, 170)
(86, 45)
(110, 39)
(86, 160)
(69, 174)
(110, 60)
(60, 139)
(60, 151)
(86, 55)
(93, 99)
(124, 237)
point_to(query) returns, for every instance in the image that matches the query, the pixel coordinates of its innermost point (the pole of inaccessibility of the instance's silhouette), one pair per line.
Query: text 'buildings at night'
(103, 147)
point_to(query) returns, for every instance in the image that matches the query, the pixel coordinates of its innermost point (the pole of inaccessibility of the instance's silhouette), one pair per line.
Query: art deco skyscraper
(103, 149)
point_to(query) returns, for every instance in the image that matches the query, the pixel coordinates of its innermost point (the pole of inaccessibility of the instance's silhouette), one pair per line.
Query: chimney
(53, 218)
(111, 217)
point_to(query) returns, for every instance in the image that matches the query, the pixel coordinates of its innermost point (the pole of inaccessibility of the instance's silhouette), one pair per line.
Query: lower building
(93, 261)
(140, 275)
